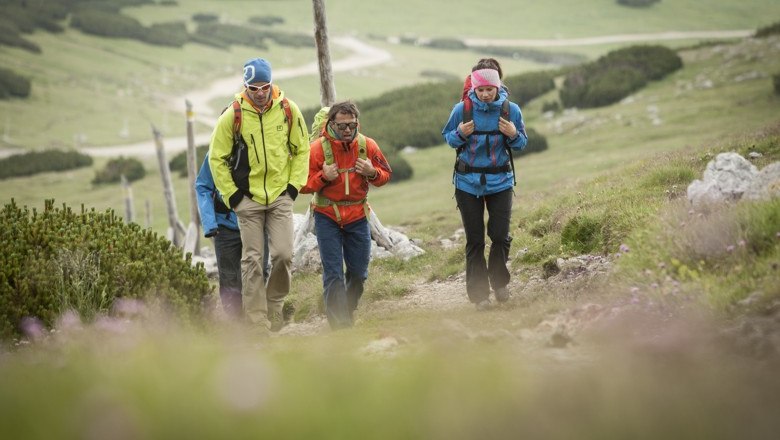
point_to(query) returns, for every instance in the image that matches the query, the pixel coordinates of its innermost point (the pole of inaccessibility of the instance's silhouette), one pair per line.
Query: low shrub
(527, 86)
(447, 44)
(637, 3)
(776, 82)
(13, 85)
(10, 36)
(179, 162)
(536, 143)
(107, 24)
(772, 29)
(267, 20)
(34, 162)
(172, 34)
(60, 260)
(130, 167)
(401, 168)
(616, 75)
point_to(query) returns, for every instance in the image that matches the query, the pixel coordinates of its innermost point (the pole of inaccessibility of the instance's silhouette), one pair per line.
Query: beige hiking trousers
(263, 300)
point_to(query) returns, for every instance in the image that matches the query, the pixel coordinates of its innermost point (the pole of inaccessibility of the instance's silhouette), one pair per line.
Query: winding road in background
(363, 55)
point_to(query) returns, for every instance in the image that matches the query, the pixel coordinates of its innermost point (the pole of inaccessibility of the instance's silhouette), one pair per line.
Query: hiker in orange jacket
(342, 164)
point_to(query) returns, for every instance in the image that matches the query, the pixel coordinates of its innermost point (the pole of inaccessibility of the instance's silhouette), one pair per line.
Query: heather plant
(61, 260)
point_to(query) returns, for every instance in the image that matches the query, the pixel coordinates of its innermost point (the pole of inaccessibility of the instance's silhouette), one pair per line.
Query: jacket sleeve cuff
(292, 192)
(236, 198)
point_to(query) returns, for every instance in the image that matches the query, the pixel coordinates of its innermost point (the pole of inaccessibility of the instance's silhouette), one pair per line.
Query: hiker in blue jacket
(220, 222)
(483, 128)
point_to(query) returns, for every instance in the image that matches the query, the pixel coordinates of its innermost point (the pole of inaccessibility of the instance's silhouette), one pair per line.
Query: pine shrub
(61, 260)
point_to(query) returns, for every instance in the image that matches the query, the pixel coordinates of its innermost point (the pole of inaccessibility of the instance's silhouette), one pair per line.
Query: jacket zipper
(265, 159)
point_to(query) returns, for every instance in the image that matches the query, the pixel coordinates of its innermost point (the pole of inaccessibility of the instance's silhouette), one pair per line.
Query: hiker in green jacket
(258, 171)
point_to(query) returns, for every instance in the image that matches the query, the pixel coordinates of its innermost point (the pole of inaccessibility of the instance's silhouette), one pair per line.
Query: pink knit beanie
(485, 77)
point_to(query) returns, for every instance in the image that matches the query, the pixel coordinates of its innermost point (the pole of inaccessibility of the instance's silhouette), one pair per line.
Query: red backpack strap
(236, 117)
(467, 110)
(287, 114)
(466, 88)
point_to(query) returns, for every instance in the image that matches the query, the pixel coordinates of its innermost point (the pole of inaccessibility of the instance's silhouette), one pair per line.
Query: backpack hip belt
(323, 202)
(464, 168)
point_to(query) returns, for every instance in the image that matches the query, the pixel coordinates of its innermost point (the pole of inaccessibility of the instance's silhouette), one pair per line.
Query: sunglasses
(344, 125)
(264, 88)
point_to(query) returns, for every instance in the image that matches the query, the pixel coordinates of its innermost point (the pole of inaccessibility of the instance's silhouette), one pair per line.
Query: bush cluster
(527, 86)
(536, 143)
(637, 3)
(539, 56)
(107, 23)
(772, 29)
(130, 167)
(34, 162)
(223, 35)
(776, 82)
(13, 85)
(179, 162)
(616, 75)
(266, 20)
(60, 260)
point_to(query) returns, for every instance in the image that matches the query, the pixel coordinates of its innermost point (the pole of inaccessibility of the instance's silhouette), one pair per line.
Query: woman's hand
(507, 128)
(465, 129)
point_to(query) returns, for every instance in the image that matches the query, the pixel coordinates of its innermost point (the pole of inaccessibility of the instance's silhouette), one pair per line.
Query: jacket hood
(485, 106)
(331, 136)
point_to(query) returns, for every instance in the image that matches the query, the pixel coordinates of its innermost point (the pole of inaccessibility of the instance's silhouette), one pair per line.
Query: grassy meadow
(663, 342)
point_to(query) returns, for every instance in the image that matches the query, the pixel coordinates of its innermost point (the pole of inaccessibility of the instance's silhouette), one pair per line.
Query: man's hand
(365, 168)
(330, 172)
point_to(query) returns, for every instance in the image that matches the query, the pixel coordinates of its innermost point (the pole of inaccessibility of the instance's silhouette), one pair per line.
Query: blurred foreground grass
(146, 377)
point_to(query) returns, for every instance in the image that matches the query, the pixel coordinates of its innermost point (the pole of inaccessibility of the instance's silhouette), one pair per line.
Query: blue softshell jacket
(484, 150)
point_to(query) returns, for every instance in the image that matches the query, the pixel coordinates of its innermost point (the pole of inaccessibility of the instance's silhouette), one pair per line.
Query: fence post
(193, 230)
(327, 86)
(176, 229)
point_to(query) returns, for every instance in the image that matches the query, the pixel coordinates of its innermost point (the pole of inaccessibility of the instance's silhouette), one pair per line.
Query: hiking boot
(277, 322)
(502, 294)
(484, 305)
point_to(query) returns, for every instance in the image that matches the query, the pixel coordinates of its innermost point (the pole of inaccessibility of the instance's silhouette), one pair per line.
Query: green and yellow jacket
(271, 159)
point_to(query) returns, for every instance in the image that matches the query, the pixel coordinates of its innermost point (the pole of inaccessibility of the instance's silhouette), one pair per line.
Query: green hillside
(88, 90)
(669, 330)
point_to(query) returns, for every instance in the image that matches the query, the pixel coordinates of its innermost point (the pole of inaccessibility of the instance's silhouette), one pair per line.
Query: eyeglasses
(264, 88)
(344, 125)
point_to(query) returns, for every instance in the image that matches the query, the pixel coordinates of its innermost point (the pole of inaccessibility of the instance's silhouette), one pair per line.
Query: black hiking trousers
(481, 275)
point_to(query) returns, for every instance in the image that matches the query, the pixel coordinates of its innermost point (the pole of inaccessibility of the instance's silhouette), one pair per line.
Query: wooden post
(176, 228)
(148, 205)
(192, 172)
(327, 87)
(128, 190)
